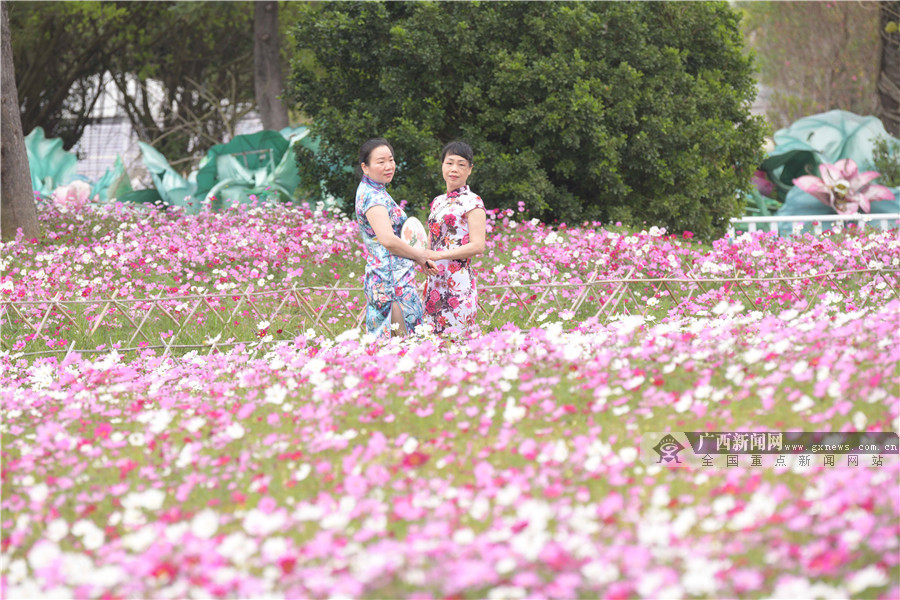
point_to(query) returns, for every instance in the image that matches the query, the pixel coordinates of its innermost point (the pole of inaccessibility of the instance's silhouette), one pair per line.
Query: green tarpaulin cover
(51, 166)
(823, 138)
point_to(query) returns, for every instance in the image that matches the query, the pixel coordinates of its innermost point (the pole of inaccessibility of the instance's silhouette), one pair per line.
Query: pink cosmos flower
(762, 183)
(74, 195)
(843, 187)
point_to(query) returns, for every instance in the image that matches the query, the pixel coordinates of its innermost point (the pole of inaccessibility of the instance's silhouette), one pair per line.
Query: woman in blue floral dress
(392, 297)
(456, 228)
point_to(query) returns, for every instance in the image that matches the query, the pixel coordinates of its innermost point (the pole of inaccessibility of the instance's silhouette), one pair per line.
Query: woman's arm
(381, 223)
(477, 218)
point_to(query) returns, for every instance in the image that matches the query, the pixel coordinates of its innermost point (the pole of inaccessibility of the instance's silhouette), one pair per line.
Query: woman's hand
(384, 232)
(430, 268)
(476, 244)
(427, 264)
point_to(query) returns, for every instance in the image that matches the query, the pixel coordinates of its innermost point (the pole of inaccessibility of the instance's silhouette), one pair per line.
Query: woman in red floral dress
(456, 229)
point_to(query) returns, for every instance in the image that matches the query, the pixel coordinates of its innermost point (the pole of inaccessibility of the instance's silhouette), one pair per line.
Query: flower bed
(121, 276)
(504, 466)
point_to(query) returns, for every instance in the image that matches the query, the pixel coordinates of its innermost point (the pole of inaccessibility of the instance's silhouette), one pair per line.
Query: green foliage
(886, 159)
(604, 111)
(198, 54)
(201, 54)
(59, 48)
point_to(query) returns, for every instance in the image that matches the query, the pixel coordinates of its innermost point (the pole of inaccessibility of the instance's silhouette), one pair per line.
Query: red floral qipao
(389, 278)
(451, 297)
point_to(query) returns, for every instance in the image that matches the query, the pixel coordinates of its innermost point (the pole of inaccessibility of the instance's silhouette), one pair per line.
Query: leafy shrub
(604, 111)
(886, 158)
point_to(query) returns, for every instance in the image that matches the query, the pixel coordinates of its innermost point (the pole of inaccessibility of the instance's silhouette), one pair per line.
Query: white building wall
(112, 135)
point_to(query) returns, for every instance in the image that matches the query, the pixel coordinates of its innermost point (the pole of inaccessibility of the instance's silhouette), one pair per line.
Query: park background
(548, 130)
(191, 410)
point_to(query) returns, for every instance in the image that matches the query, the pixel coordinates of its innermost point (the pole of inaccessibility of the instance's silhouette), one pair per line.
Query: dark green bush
(886, 157)
(637, 112)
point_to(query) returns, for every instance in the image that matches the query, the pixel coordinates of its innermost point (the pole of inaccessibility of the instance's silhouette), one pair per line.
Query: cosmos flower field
(299, 461)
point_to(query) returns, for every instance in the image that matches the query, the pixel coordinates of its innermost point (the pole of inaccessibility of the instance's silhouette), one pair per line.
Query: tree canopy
(836, 70)
(59, 50)
(608, 110)
(199, 54)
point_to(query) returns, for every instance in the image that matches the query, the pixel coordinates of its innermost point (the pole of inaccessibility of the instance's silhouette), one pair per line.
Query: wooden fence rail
(215, 320)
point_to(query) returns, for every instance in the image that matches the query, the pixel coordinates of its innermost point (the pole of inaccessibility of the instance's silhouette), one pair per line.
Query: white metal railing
(884, 221)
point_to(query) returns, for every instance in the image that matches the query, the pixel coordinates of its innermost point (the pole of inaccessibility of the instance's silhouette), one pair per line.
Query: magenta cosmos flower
(844, 188)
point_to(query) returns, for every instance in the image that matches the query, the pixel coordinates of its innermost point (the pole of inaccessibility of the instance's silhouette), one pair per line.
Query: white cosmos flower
(205, 524)
(157, 421)
(274, 548)
(303, 472)
(560, 452)
(185, 457)
(350, 334)
(869, 577)
(506, 591)
(513, 413)
(57, 529)
(91, 536)
(699, 578)
(722, 504)
(16, 572)
(39, 492)
(510, 373)
(463, 537)
(195, 424)
(628, 455)
(308, 512)
(803, 403)
(599, 571)
(684, 402)
(237, 547)
(235, 431)
(151, 499)
(257, 523)
(42, 554)
(43, 376)
(410, 445)
(105, 577)
(276, 394)
(174, 533)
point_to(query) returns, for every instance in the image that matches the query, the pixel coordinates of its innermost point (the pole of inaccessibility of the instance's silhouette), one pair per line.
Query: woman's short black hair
(458, 148)
(365, 152)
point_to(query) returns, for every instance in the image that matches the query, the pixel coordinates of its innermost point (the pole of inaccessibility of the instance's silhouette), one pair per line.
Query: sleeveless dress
(388, 278)
(451, 296)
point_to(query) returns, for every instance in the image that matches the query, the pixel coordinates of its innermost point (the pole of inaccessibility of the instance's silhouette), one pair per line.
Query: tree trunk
(267, 73)
(889, 69)
(17, 208)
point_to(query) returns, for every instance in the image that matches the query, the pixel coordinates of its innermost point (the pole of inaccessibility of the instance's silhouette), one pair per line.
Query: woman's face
(456, 171)
(381, 165)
